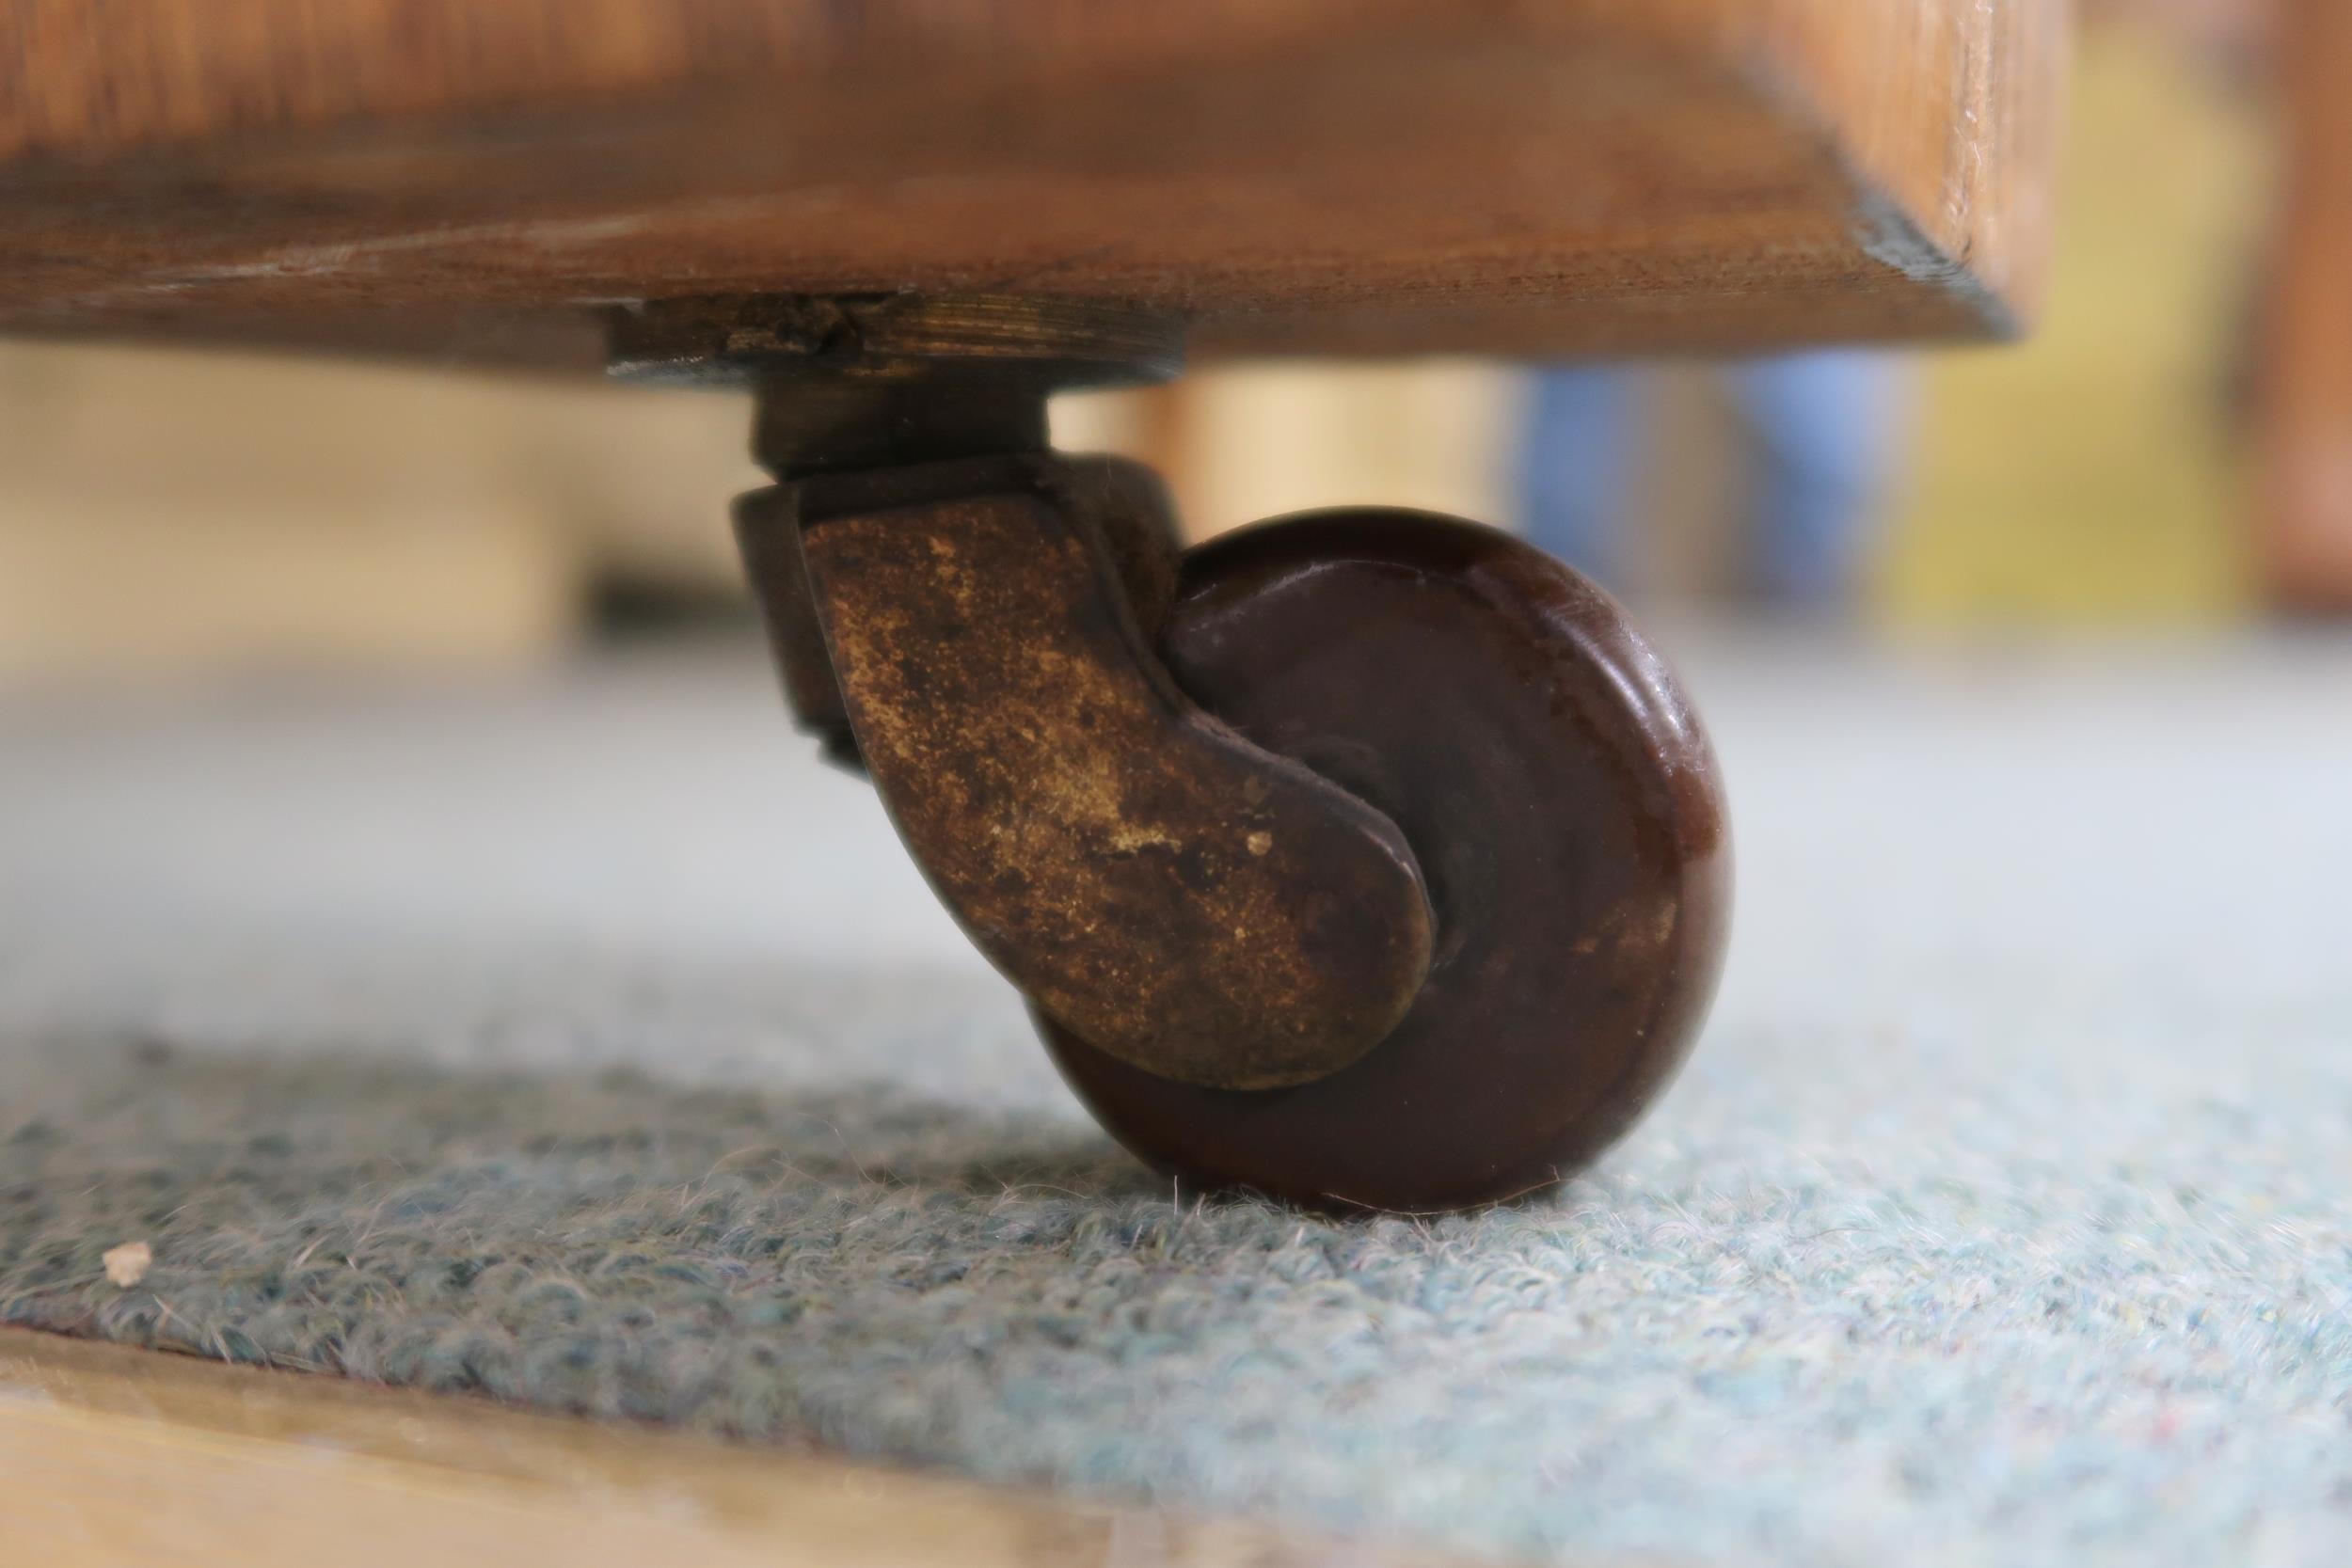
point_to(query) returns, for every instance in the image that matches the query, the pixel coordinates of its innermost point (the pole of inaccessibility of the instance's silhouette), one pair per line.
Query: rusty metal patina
(1122, 503)
(1194, 905)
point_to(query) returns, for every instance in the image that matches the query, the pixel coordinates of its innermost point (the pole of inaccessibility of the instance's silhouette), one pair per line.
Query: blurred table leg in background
(2305, 391)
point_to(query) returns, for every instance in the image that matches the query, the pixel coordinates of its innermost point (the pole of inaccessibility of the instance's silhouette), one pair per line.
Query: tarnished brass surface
(1203, 910)
(1123, 504)
(864, 390)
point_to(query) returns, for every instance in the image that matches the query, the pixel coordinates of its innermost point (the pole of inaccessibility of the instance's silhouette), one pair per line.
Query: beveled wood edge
(1957, 178)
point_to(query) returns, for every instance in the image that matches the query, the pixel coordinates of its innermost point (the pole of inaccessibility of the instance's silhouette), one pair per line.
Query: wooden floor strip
(114, 1456)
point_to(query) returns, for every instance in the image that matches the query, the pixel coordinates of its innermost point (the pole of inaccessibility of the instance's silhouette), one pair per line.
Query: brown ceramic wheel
(1565, 810)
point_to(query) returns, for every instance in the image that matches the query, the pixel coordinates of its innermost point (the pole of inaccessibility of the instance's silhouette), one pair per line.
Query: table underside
(466, 183)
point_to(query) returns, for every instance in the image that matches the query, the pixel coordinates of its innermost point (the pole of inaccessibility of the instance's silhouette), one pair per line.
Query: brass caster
(1366, 859)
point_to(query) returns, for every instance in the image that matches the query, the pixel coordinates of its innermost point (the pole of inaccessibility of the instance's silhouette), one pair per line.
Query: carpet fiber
(588, 1046)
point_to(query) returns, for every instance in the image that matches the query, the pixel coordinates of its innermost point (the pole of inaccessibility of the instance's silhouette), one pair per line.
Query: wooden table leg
(2304, 448)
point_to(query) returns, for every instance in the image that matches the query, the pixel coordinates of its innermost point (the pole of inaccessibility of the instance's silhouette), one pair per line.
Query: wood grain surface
(119, 1456)
(440, 177)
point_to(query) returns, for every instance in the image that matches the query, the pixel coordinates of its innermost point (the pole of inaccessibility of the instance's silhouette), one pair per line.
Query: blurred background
(361, 713)
(2171, 451)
